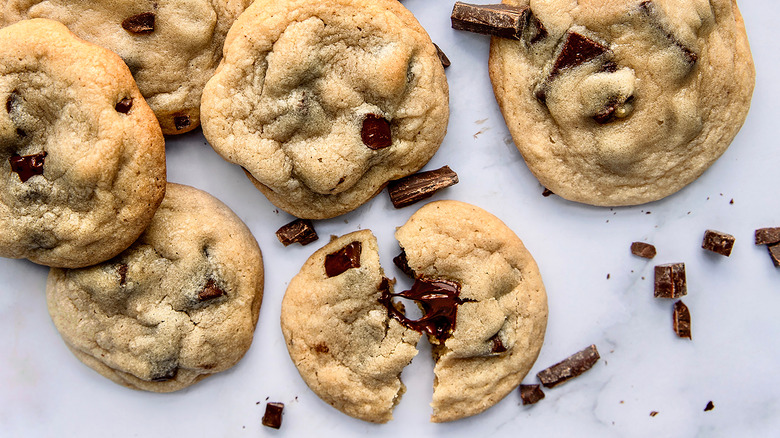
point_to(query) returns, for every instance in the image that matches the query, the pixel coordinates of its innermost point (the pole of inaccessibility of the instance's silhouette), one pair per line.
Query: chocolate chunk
(375, 132)
(28, 166)
(165, 370)
(124, 105)
(498, 346)
(344, 259)
(121, 269)
(273, 415)
(682, 320)
(569, 368)
(651, 11)
(181, 121)
(403, 264)
(613, 109)
(422, 185)
(670, 281)
(498, 20)
(445, 62)
(577, 50)
(547, 192)
(210, 291)
(642, 249)
(298, 231)
(710, 406)
(774, 253)
(140, 24)
(531, 394)
(439, 302)
(717, 242)
(767, 236)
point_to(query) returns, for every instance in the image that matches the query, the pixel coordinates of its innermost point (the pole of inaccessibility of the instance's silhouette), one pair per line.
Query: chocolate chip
(439, 301)
(717, 242)
(569, 368)
(181, 121)
(140, 24)
(210, 291)
(445, 62)
(298, 231)
(767, 236)
(12, 101)
(28, 166)
(670, 281)
(547, 192)
(403, 264)
(577, 50)
(375, 132)
(710, 406)
(642, 249)
(498, 346)
(124, 105)
(774, 253)
(273, 415)
(681, 320)
(419, 186)
(531, 394)
(344, 259)
(499, 20)
(121, 269)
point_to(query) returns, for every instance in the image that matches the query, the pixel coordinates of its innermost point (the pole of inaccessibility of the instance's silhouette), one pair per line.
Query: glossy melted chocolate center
(438, 299)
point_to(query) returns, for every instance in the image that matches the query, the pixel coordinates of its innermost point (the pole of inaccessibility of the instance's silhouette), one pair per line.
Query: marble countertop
(598, 294)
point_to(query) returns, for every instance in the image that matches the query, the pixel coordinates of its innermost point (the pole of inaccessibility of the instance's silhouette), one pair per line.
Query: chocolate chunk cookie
(171, 46)
(626, 102)
(82, 155)
(179, 305)
(322, 103)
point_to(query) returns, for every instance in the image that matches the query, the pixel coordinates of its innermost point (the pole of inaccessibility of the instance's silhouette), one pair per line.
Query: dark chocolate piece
(298, 231)
(774, 253)
(498, 346)
(375, 132)
(140, 24)
(445, 62)
(439, 302)
(344, 259)
(499, 20)
(403, 264)
(569, 368)
(531, 394)
(210, 291)
(642, 249)
(577, 50)
(547, 192)
(682, 320)
(653, 413)
(121, 269)
(710, 406)
(273, 415)
(124, 105)
(670, 281)
(649, 9)
(717, 242)
(181, 121)
(419, 186)
(767, 236)
(28, 166)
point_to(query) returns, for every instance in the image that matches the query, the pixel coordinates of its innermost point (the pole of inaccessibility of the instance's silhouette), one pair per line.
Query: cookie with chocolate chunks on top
(323, 103)
(179, 305)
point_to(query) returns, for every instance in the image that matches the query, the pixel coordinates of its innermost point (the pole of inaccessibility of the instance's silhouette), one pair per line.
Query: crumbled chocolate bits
(767, 236)
(210, 291)
(710, 406)
(531, 394)
(717, 242)
(375, 132)
(569, 368)
(28, 166)
(403, 264)
(445, 62)
(642, 249)
(124, 105)
(419, 186)
(439, 301)
(344, 259)
(670, 281)
(682, 320)
(181, 121)
(273, 414)
(298, 231)
(141, 24)
(577, 50)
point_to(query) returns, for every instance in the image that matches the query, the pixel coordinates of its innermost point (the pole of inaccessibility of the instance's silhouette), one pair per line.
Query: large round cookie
(322, 103)
(179, 305)
(82, 155)
(627, 101)
(171, 46)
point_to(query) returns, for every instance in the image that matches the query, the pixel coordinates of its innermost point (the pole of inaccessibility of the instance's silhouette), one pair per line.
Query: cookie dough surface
(171, 46)
(341, 339)
(322, 103)
(660, 89)
(82, 155)
(499, 327)
(179, 305)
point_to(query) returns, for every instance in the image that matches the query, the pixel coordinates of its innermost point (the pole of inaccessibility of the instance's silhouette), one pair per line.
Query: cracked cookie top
(627, 101)
(82, 155)
(177, 306)
(322, 103)
(172, 47)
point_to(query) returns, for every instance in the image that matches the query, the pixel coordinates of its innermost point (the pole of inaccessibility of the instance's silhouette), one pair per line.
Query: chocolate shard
(670, 281)
(498, 347)
(344, 259)
(419, 186)
(767, 236)
(273, 415)
(531, 394)
(298, 231)
(403, 264)
(498, 20)
(124, 105)
(577, 50)
(710, 406)
(210, 291)
(141, 24)
(717, 242)
(643, 249)
(569, 368)
(28, 166)
(682, 320)
(375, 132)
(439, 302)
(445, 61)
(181, 121)
(774, 253)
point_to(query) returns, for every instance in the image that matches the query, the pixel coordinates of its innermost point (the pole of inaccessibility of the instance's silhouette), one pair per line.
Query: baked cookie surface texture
(172, 47)
(82, 155)
(179, 305)
(623, 102)
(322, 103)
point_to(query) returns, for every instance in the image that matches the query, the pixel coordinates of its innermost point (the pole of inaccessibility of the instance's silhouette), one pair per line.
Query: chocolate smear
(670, 281)
(767, 236)
(344, 259)
(445, 61)
(531, 394)
(718, 242)
(642, 249)
(419, 186)
(124, 105)
(375, 132)
(28, 166)
(121, 269)
(181, 121)
(439, 302)
(569, 368)
(298, 231)
(141, 24)
(273, 415)
(682, 320)
(210, 291)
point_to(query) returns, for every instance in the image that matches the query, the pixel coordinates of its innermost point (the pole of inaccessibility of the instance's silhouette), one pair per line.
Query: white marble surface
(735, 302)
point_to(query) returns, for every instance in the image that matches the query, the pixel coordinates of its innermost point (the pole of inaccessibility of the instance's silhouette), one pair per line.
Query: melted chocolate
(210, 291)
(375, 132)
(28, 165)
(438, 299)
(344, 259)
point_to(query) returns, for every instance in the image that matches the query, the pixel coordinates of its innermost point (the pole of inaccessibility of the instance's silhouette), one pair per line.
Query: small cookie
(179, 305)
(82, 155)
(171, 46)
(342, 340)
(323, 103)
(626, 102)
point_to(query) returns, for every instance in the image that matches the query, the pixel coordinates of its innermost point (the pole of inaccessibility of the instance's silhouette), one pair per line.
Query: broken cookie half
(483, 304)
